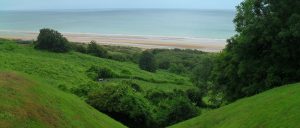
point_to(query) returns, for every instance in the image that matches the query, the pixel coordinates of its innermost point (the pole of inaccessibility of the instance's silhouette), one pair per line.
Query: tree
(96, 50)
(147, 62)
(52, 40)
(201, 74)
(265, 52)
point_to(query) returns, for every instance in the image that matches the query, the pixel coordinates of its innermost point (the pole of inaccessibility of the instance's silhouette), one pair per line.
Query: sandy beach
(145, 42)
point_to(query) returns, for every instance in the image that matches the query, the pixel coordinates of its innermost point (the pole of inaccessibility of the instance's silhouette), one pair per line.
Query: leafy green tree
(266, 51)
(52, 40)
(201, 74)
(96, 50)
(147, 62)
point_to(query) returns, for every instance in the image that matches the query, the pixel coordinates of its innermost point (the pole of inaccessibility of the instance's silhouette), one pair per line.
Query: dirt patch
(30, 108)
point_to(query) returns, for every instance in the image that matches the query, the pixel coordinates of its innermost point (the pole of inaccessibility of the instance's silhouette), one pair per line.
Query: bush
(164, 64)
(171, 107)
(121, 103)
(97, 73)
(195, 95)
(177, 69)
(180, 109)
(134, 86)
(52, 40)
(157, 109)
(118, 57)
(79, 48)
(84, 89)
(96, 50)
(147, 62)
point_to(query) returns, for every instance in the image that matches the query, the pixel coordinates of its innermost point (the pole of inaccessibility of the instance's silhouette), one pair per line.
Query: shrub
(180, 109)
(195, 95)
(177, 69)
(171, 107)
(84, 89)
(121, 103)
(147, 62)
(134, 86)
(52, 40)
(79, 48)
(164, 64)
(97, 73)
(157, 109)
(118, 57)
(96, 50)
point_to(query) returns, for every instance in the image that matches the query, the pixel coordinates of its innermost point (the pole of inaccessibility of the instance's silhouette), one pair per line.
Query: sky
(111, 4)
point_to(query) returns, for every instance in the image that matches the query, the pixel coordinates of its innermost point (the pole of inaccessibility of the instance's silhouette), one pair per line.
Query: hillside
(74, 73)
(277, 108)
(28, 103)
(69, 69)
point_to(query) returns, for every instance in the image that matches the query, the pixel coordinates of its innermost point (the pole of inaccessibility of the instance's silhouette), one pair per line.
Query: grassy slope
(27, 103)
(69, 68)
(277, 108)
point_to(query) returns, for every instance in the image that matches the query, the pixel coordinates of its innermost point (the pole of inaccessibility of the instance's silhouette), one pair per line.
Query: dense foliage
(127, 103)
(147, 62)
(121, 103)
(52, 40)
(96, 73)
(96, 50)
(180, 61)
(266, 51)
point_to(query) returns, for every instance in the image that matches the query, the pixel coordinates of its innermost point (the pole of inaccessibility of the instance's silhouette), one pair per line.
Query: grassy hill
(68, 72)
(277, 108)
(69, 69)
(28, 103)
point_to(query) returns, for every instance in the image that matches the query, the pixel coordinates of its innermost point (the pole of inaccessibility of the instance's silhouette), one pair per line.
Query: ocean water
(210, 24)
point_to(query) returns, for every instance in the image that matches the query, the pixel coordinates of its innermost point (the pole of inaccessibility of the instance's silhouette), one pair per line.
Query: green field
(26, 103)
(277, 108)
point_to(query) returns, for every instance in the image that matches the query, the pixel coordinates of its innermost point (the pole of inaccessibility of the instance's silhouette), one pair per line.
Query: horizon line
(112, 9)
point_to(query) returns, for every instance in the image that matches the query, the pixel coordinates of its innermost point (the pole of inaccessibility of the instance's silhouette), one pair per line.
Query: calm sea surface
(212, 24)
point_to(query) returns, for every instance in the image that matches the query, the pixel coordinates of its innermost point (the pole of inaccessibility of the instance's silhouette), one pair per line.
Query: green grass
(69, 69)
(277, 108)
(26, 102)
(37, 102)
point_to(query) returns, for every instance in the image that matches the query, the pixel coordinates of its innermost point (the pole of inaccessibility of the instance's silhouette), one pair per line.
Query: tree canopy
(52, 40)
(147, 62)
(266, 51)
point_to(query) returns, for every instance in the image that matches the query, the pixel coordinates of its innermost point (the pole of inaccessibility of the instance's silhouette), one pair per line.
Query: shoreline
(144, 42)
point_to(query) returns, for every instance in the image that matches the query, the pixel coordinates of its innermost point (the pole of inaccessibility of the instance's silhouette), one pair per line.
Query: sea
(207, 24)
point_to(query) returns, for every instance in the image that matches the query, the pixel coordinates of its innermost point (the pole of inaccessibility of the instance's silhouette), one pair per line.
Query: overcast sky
(110, 4)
